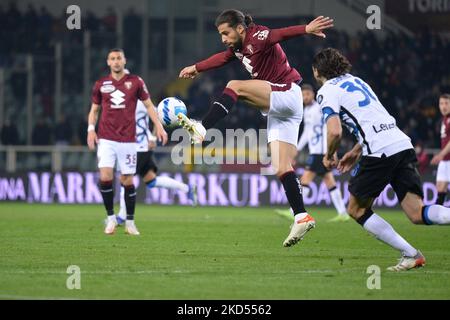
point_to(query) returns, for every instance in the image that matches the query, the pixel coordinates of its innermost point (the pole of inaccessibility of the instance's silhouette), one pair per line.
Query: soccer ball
(168, 110)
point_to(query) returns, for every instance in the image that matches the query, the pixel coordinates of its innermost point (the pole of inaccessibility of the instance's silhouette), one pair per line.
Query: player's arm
(218, 60)
(160, 133)
(92, 120)
(334, 136)
(441, 155)
(315, 27)
(350, 159)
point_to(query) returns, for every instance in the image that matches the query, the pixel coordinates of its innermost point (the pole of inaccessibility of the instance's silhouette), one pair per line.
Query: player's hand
(189, 72)
(151, 145)
(330, 163)
(318, 25)
(436, 159)
(92, 140)
(161, 134)
(348, 161)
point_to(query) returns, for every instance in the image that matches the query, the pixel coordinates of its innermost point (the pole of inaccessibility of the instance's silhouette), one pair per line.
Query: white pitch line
(318, 271)
(17, 297)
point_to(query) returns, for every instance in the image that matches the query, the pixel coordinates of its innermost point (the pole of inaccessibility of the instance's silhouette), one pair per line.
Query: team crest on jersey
(250, 48)
(128, 84)
(262, 35)
(108, 88)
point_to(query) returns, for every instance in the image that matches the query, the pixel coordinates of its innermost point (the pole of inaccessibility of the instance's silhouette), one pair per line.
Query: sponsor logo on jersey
(117, 100)
(128, 84)
(384, 127)
(107, 82)
(107, 88)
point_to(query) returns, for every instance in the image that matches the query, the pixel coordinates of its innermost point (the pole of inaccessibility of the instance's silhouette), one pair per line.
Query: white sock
(305, 191)
(383, 231)
(300, 216)
(169, 183)
(338, 202)
(123, 210)
(112, 218)
(437, 214)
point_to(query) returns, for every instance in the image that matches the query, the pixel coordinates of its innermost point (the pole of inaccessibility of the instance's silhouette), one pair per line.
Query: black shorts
(372, 175)
(145, 162)
(314, 163)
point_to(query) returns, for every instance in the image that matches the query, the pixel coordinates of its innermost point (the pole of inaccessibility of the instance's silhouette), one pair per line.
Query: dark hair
(330, 63)
(234, 18)
(445, 96)
(116, 50)
(307, 86)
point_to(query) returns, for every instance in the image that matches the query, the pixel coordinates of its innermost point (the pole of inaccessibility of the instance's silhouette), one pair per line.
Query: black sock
(293, 190)
(441, 198)
(367, 214)
(106, 189)
(130, 201)
(220, 108)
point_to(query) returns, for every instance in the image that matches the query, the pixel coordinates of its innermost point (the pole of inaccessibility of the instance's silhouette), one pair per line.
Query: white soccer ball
(168, 110)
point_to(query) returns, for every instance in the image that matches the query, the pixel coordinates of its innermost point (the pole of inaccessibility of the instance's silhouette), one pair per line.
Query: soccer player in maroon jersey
(443, 157)
(274, 90)
(117, 94)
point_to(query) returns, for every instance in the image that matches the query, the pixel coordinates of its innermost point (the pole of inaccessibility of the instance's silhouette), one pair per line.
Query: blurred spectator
(82, 132)
(63, 132)
(42, 133)
(9, 134)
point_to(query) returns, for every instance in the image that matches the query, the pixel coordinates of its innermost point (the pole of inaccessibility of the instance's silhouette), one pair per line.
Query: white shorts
(443, 171)
(124, 152)
(285, 115)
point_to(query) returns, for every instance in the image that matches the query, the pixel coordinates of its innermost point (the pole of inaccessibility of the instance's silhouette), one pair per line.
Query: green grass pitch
(208, 253)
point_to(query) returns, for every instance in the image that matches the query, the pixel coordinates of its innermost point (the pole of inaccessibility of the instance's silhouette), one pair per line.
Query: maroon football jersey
(265, 60)
(118, 101)
(445, 134)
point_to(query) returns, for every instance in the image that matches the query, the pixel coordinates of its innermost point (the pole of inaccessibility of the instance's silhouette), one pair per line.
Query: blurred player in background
(274, 90)
(146, 167)
(384, 155)
(443, 157)
(314, 136)
(117, 94)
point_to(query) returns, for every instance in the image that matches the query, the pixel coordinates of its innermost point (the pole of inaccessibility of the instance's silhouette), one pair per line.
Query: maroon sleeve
(277, 35)
(143, 93)
(215, 61)
(96, 94)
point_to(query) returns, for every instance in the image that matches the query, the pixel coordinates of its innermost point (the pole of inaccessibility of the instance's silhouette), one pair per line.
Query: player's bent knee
(236, 86)
(416, 216)
(126, 180)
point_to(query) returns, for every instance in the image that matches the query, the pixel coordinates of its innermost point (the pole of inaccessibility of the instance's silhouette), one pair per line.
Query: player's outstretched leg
(282, 153)
(172, 184)
(361, 211)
